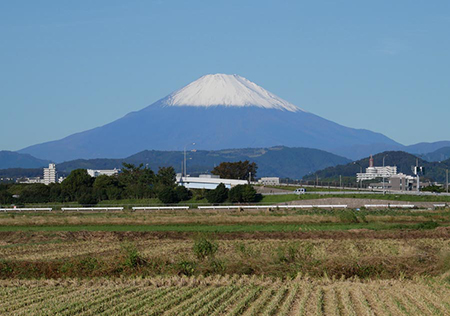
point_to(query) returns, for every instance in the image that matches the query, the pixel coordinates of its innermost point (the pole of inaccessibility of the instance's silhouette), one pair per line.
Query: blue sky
(67, 66)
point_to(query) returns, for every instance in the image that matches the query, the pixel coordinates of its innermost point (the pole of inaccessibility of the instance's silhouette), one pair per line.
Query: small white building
(31, 180)
(95, 173)
(50, 174)
(208, 182)
(269, 181)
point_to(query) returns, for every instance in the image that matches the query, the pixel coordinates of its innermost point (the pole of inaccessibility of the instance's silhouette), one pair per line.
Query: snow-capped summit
(216, 112)
(226, 90)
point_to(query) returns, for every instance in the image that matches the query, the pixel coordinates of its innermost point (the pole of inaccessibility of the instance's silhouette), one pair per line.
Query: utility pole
(384, 171)
(446, 180)
(340, 181)
(185, 171)
(418, 178)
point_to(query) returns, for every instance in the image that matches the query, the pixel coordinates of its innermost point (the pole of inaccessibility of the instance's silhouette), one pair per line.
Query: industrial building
(206, 181)
(95, 173)
(393, 181)
(269, 181)
(376, 172)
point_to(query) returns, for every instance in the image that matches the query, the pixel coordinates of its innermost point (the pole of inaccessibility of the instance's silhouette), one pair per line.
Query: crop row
(296, 297)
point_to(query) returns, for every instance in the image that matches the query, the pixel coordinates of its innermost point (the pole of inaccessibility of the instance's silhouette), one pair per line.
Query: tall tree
(107, 188)
(166, 177)
(78, 183)
(236, 170)
(138, 181)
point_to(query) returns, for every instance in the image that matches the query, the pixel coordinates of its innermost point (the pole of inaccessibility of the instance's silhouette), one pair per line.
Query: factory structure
(107, 172)
(206, 181)
(391, 179)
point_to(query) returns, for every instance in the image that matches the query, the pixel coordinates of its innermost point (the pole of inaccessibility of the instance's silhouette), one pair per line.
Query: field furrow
(288, 303)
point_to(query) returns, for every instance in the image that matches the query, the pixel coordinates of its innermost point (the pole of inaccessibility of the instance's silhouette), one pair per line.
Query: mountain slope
(424, 148)
(438, 155)
(216, 111)
(10, 159)
(276, 161)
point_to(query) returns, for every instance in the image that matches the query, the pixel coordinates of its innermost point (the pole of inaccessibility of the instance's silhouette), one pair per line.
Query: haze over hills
(10, 159)
(216, 111)
(438, 155)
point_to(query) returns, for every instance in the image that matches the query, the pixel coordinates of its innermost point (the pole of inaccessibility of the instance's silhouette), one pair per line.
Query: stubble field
(318, 262)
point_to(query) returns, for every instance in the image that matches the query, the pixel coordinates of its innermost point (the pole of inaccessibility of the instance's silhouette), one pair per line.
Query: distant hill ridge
(11, 159)
(403, 160)
(278, 161)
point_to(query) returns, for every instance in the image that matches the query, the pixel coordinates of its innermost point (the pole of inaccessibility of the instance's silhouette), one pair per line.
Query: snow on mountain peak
(226, 90)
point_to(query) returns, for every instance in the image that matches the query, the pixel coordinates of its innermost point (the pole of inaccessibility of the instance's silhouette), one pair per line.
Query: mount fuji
(216, 112)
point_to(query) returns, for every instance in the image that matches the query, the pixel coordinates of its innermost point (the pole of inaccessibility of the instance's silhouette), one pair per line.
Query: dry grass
(206, 217)
(226, 295)
(365, 257)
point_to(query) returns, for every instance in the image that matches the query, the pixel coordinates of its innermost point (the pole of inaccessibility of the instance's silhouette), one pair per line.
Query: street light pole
(185, 171)
(384, 190)
(360, 171)
(446, 180)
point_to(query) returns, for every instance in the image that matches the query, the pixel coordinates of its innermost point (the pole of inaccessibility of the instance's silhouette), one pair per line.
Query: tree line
(134, 182)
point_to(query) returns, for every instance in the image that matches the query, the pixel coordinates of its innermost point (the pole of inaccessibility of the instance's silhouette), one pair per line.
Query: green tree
(243, 193)
(5, 195)
(78, 182)
(166, 177)
(182, 193)
(168, 195)
(249, 194)
(138, 182)
(55, 192)
(107, 188)
(218, 195)
(35, 193)
(236, 170)
(87, 199)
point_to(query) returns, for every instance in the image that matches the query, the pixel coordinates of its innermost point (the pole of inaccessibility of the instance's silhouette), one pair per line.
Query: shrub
(182, 193)
(243, 193)
(87, 199)
(203, 247)
(186, 267)
(132, 256)
(218, 195)
(168, 195)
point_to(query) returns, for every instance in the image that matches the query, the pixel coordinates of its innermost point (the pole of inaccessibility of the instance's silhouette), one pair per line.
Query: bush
(182, 193)
(218, 195)
(168, 195)
(132, 256)
(203, 247)
(186, 267)
(87, 199)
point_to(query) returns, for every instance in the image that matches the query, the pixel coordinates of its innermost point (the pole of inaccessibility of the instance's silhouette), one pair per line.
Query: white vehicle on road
(300, 191)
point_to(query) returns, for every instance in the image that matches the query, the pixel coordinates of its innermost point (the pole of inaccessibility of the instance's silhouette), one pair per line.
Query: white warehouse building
(95, 173)
(269, 181)
(208, 182)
